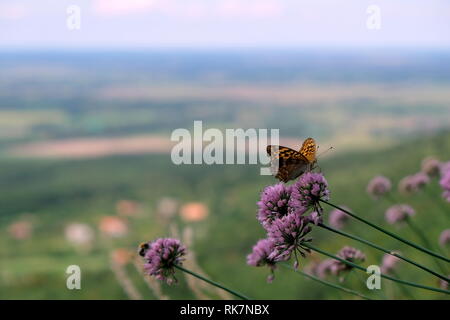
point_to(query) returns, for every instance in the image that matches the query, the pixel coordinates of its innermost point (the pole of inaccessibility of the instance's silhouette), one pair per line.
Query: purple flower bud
(445, 184)
(399, 213)
(161, 257)
(325, 268)
(444, 238)
(389, 263)
(260, 254)
(379, 186)
(338, 218)
(414, 183)
(350, 254)
(431, 166)
(315, 218)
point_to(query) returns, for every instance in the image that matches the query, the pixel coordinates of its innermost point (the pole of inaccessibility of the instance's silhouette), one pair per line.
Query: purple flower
(324, 268)
(445, 184)
(406, 185)
(444, 238)
(379, 186)
(308, 190)
(431, 166)
(161, 257)
(288, 234)
(389, 263)
(350, 254)
(338, 218)
(274, 204)
(315, 218)
(444, 168)
(399, 213)
(414, 183)
(260, 256)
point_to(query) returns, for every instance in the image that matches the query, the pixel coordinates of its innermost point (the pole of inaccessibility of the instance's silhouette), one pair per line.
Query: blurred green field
(54, 193)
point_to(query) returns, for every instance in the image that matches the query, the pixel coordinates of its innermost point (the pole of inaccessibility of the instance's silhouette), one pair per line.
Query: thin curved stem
(327, 283)
(218, 285)
(408, 283)
(424, 241)
(434, 254)
(392, 253)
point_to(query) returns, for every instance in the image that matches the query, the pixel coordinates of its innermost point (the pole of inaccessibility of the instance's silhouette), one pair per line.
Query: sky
(128, 24)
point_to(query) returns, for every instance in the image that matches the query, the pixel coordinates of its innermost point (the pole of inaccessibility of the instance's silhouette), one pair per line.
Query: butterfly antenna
(330, 148)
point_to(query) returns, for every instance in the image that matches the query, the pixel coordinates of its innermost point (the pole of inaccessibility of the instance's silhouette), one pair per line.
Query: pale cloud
(250, 9)
(190, 9)
(121, 7)
(13, 11)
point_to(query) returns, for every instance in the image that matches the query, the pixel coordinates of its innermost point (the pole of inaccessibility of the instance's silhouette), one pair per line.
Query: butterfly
(288, 164)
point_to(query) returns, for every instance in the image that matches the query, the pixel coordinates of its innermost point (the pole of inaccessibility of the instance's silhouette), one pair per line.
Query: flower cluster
(273, 203)
(337, 268)
(162, 255)
(338, 218)
(431, 166)
(282, 212)
(413, 183)
(260, 256)
(379, 186)
(389, 263)
(288, 234)
(445, 184)
(309, 189)
(399, 213)
(349, 254)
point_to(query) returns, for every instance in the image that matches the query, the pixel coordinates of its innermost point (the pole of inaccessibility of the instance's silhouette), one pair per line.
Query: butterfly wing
(286, 163)
(308, 150)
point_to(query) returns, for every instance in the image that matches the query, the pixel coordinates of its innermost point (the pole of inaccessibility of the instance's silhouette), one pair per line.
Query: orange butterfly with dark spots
(288, 164)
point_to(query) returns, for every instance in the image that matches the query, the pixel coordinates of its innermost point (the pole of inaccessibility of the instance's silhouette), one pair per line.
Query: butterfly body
(288, 164)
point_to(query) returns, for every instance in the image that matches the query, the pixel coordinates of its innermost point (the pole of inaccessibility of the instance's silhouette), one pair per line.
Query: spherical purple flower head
(325, 268)
(338, 218)
(406, 185)
(399, 213)
(389, 263)
(431, 166)
(162, 256)
(350, 254)
(308, 190)
(444, 238)
(260, 256)
(444, 168)
(445, 184)
(288, 235)
(379, 186)
(274, 204)
(414, 183)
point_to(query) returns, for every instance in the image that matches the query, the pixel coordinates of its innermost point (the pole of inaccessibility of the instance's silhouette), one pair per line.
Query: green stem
(424, 241)
(383, 250)
(405, 291)
(412, 284)
(389, 233)
(327, 283)
(218, 285)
